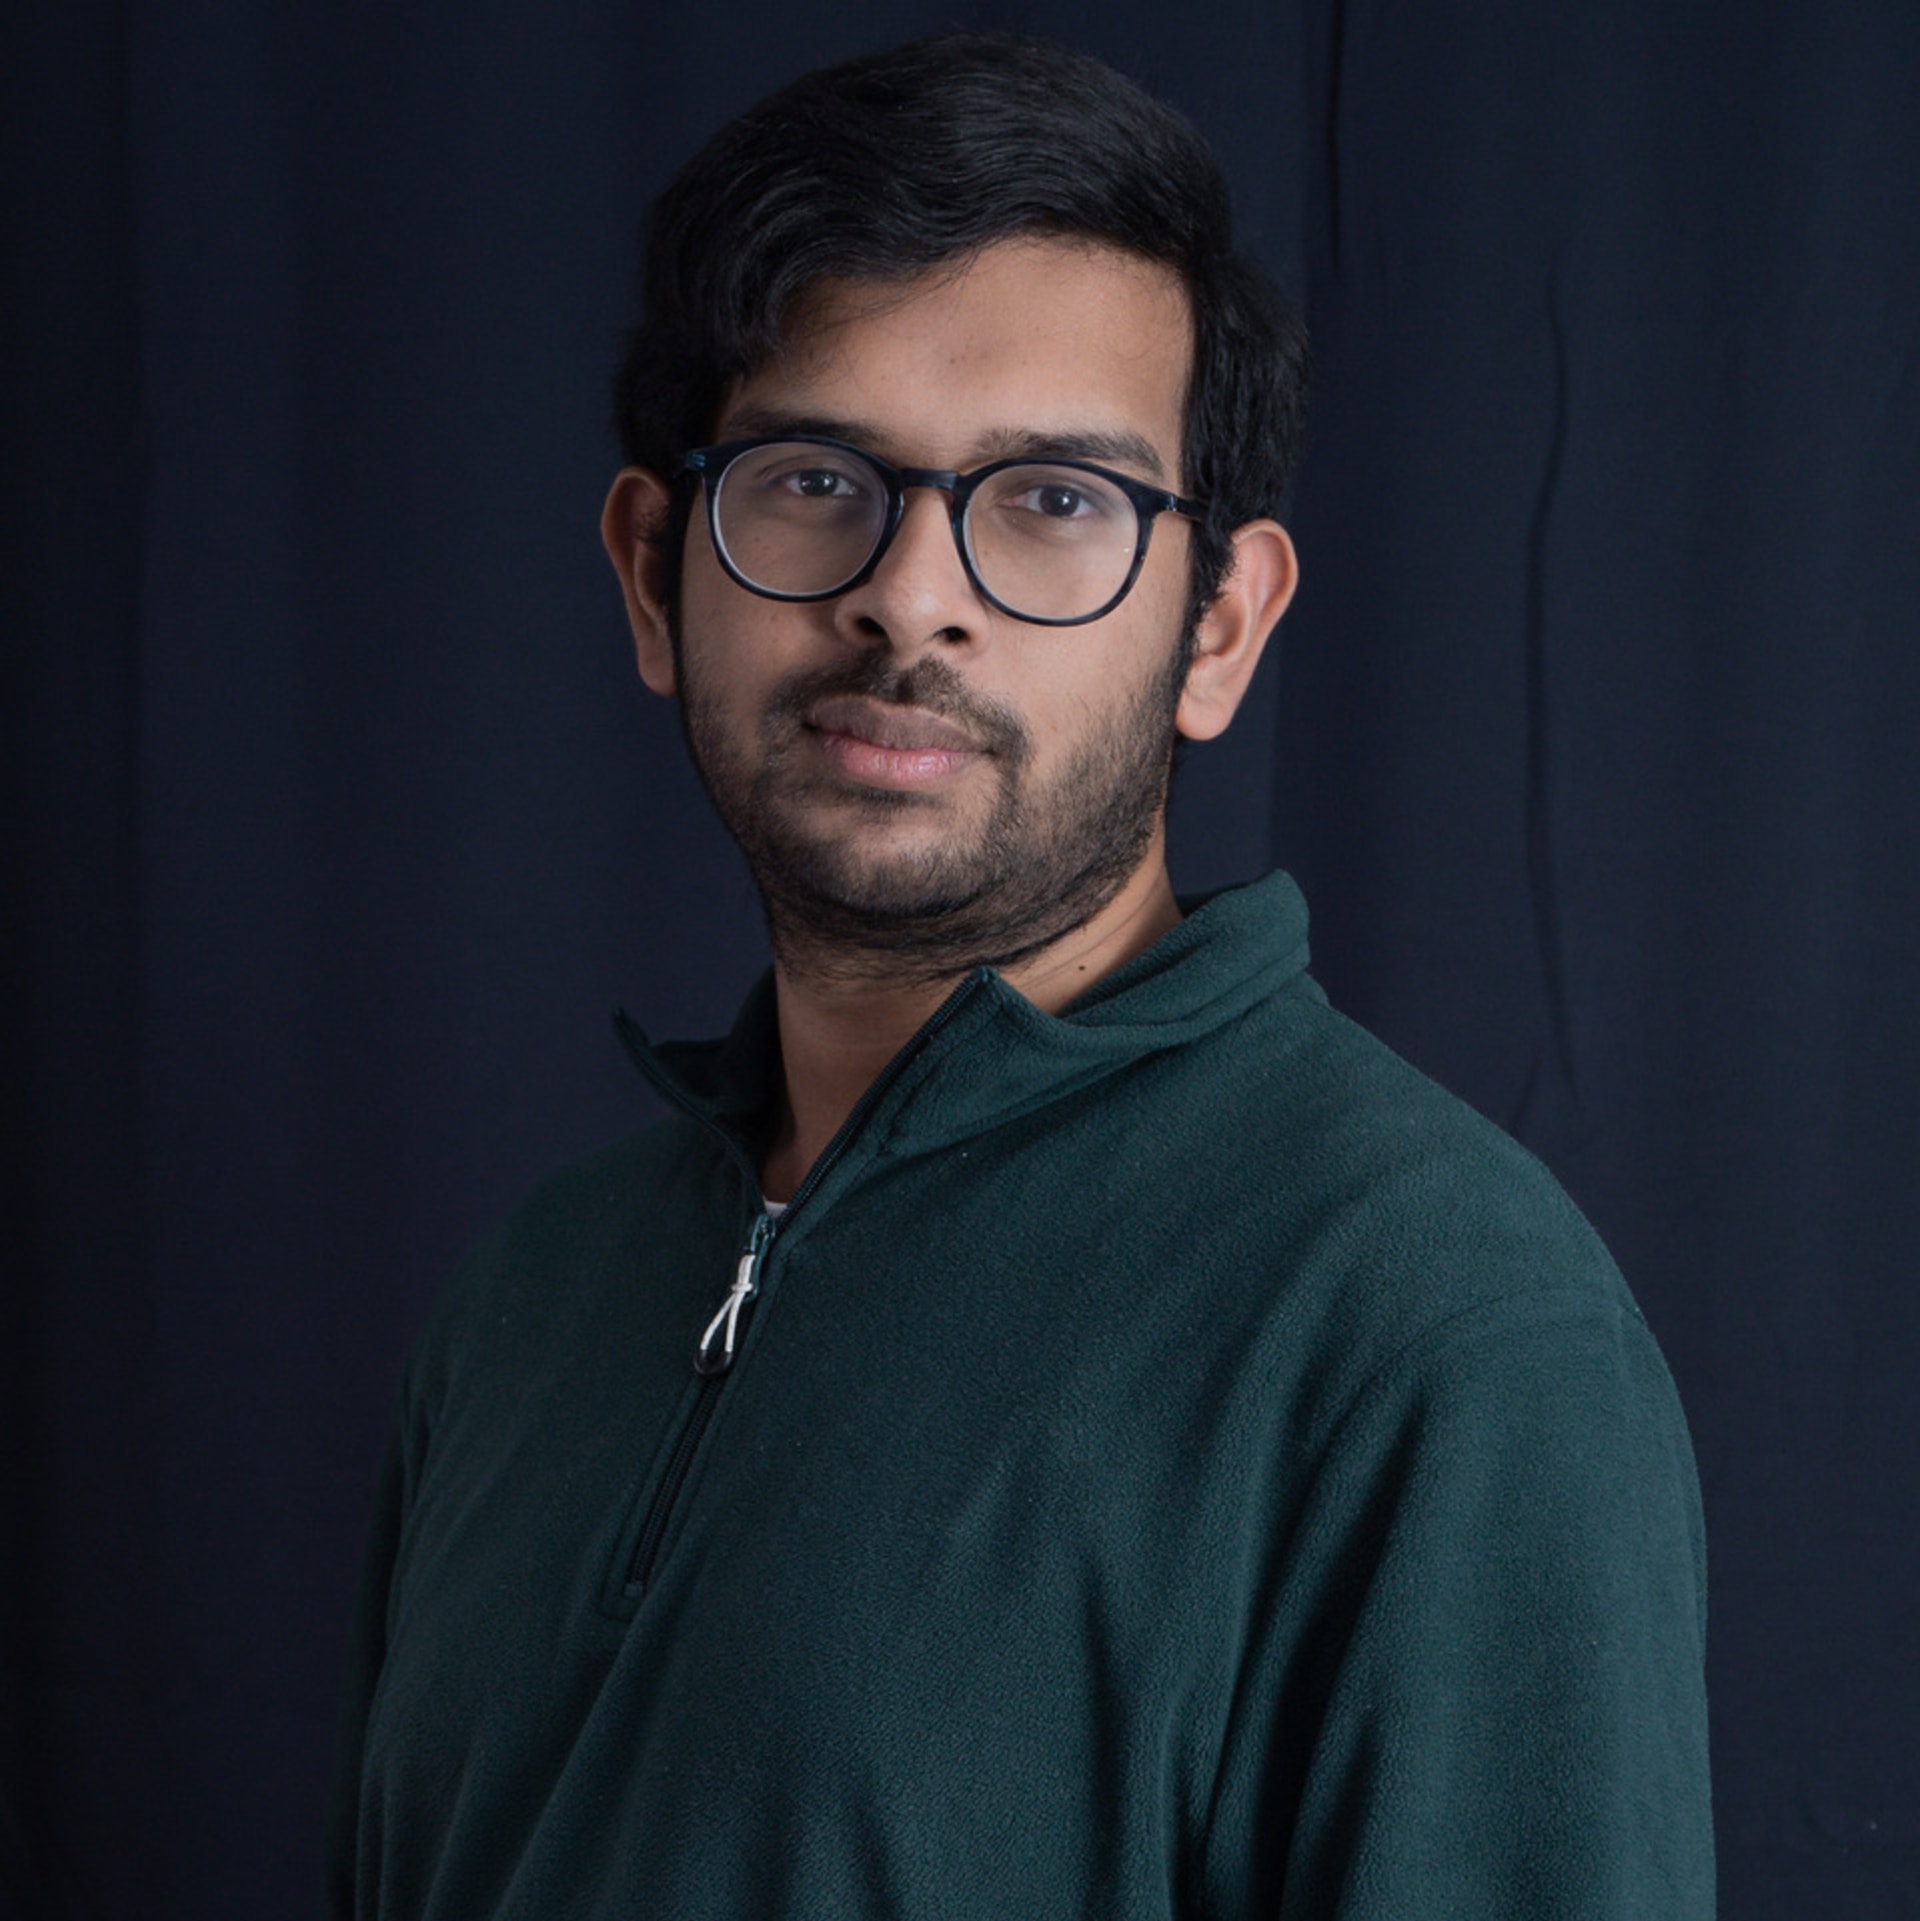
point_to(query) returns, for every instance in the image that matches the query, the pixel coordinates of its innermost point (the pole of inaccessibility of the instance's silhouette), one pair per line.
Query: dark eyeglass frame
(708, 466)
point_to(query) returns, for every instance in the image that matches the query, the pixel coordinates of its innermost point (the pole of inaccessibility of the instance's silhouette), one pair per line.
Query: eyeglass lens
(1048, 541)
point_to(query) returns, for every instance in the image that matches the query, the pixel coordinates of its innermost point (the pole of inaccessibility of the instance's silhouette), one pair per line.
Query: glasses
(1054, 542)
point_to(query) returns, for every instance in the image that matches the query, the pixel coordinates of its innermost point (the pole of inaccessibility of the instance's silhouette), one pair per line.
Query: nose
(918, 594)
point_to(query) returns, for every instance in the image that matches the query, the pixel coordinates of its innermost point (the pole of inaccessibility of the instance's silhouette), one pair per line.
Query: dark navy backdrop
(335, 820)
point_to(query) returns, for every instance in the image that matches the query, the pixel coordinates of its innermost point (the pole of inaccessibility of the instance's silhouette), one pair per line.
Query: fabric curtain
(336, 820)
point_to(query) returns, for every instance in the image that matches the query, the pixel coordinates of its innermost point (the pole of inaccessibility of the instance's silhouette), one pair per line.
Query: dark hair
(893, 163)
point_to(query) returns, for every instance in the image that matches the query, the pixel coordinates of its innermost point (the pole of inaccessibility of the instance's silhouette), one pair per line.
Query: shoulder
(1395, 1241)
(1361, 1155)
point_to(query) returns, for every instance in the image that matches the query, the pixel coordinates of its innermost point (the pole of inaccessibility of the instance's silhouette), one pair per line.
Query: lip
(877, 744)
(906, 730)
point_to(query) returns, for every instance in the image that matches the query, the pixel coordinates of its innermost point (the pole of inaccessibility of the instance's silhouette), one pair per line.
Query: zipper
(719, 1342)
(711, 1360)
(647, 1550)
(714, 1355)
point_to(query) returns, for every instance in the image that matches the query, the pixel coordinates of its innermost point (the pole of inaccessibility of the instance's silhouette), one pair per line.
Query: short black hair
(895, 163)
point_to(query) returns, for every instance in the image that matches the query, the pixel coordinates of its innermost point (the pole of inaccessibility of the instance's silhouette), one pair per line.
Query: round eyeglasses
(1054, 542)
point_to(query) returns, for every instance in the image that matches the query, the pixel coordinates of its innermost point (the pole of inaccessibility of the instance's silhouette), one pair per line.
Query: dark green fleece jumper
(1174, 1461)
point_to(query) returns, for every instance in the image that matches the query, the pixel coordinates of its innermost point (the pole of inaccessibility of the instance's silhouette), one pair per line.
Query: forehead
(1025, 340)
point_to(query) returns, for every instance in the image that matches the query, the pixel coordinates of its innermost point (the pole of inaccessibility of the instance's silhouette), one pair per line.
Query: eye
(820, 483)
(1056, 500)
(1055, 503)
(796, 473)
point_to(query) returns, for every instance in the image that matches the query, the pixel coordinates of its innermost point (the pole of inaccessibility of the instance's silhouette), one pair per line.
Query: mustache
(929, 685)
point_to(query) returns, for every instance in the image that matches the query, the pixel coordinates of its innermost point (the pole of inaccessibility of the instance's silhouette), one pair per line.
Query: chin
(872, 888)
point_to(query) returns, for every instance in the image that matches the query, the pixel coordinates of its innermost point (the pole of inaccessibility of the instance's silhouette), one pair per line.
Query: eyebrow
(1121, 448)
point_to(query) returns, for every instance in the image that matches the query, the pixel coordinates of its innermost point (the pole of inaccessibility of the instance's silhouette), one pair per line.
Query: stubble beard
(1045, 860)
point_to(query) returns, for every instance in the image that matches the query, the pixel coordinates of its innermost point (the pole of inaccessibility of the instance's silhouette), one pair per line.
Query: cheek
(1141, 645)
(733, 638)
(1116, 690)
(704, 586)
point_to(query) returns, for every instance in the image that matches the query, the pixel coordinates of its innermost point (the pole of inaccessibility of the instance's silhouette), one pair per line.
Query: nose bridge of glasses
(940, 480)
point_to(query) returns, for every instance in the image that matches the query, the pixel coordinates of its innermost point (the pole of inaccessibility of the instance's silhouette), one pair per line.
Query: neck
(844, 1016)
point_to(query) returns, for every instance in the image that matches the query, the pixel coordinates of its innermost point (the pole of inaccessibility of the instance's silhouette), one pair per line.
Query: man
(1062, 1424)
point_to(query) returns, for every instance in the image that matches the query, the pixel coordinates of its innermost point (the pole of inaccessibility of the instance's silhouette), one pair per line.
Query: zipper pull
(714, 1355)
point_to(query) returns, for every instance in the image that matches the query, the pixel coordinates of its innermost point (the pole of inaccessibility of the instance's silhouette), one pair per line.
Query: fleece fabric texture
(1178, 1462)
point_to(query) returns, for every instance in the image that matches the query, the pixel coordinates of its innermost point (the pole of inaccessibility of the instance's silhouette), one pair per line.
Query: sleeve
(1495, 1651)
(367, 1650)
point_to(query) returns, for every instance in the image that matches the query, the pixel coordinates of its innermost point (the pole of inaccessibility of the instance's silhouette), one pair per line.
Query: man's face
(907, 770)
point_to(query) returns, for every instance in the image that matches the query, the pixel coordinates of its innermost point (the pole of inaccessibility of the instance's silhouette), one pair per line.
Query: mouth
(879, 723)
(875, 743)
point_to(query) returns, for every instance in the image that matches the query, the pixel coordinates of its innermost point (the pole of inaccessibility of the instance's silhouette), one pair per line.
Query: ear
(1233, 631)
(636, 510)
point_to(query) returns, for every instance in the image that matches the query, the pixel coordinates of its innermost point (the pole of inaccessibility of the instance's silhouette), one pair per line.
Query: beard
(1049, 854)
